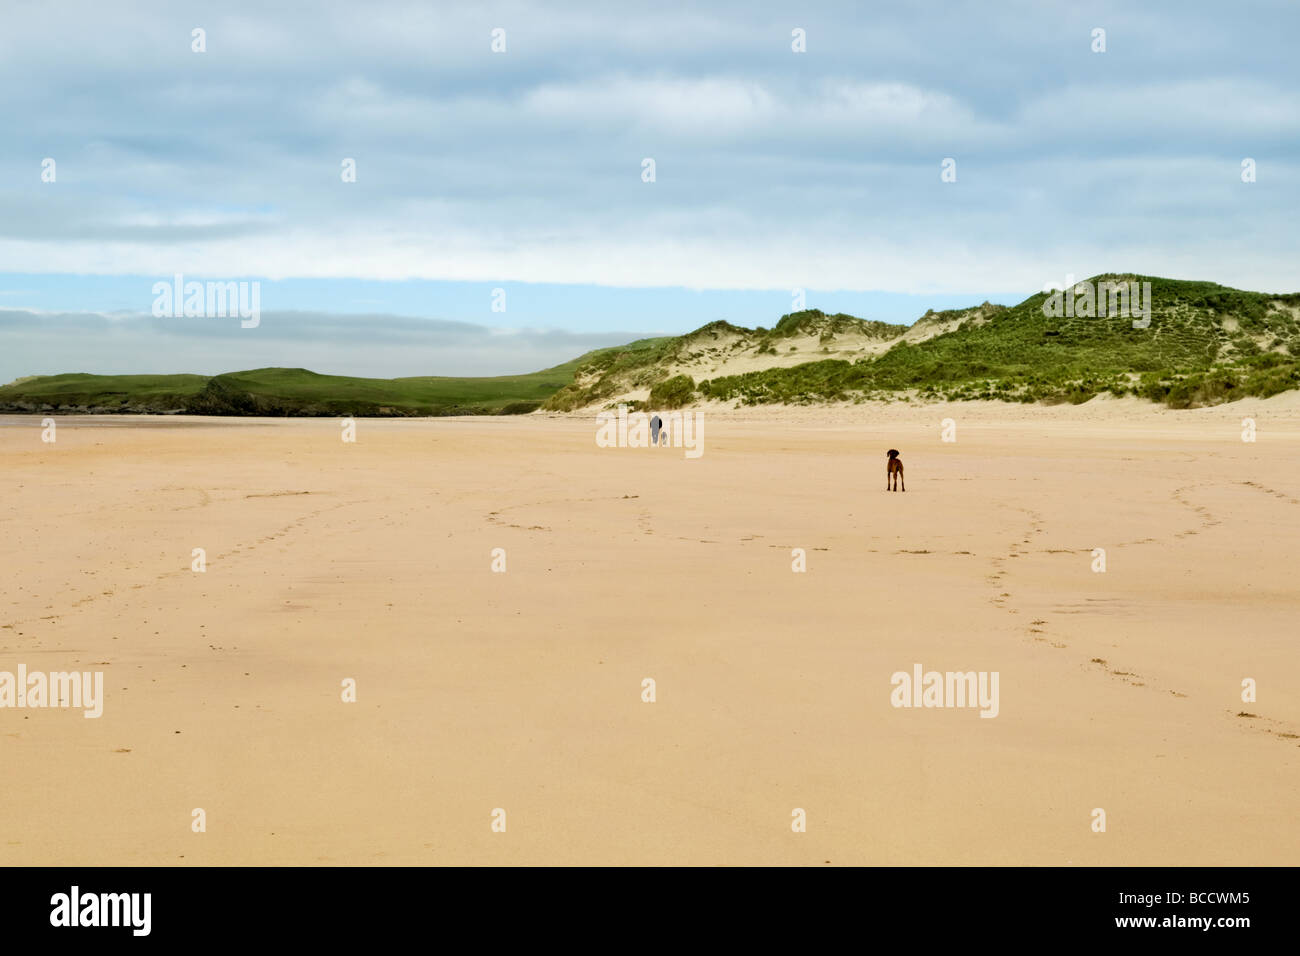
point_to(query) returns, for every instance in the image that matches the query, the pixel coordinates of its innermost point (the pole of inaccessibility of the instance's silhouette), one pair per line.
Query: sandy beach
(522, 690)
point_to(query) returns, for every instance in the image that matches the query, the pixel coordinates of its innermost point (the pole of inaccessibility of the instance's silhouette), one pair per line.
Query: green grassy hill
(142, 392)
(291, 391)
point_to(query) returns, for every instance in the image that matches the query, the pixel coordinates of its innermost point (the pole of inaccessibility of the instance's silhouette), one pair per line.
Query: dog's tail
(892, 453)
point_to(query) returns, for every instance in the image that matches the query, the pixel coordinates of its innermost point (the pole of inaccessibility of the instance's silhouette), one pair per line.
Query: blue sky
(522, 170)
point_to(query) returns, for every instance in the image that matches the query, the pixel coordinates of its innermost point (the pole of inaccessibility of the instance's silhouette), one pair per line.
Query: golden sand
(523, 691)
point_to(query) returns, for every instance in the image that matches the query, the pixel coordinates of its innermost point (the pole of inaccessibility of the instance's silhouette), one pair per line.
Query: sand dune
(522, 690)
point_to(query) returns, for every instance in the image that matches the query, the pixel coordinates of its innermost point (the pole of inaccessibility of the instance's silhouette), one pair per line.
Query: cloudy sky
(522, 170)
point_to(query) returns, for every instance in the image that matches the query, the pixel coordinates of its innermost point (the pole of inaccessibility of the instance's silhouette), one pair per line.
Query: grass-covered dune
(1205, 344)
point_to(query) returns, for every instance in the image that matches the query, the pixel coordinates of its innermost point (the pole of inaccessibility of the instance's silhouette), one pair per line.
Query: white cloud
(820, 169)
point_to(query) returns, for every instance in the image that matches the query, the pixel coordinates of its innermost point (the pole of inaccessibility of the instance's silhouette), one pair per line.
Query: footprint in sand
(1127, 677)
(1277, 728)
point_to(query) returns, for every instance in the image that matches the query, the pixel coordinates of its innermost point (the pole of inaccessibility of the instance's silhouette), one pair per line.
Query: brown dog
(894, 470)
